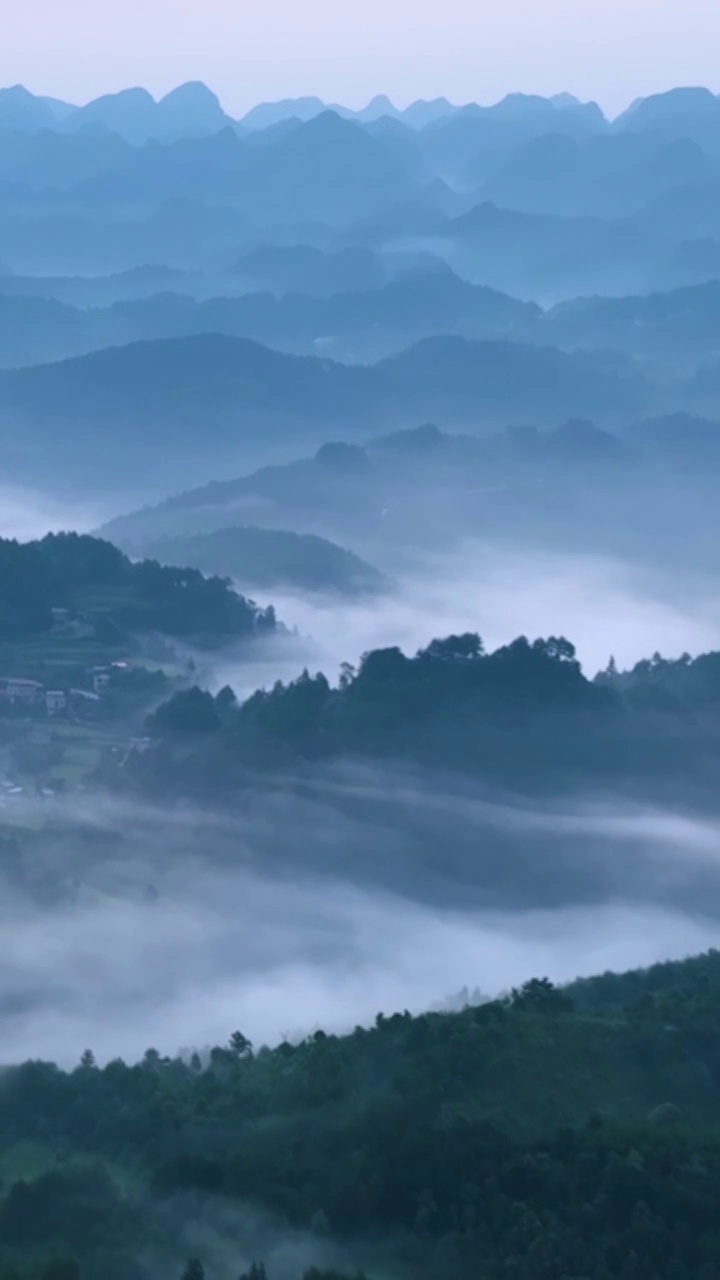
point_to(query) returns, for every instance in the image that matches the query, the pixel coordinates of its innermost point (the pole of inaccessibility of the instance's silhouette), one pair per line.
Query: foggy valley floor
(189, 921)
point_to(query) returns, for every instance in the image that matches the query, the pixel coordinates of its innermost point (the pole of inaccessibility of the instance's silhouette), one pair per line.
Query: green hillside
(550, 1134)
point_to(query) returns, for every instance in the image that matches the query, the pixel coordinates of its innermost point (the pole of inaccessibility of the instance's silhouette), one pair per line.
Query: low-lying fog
(283, 919)
(604, 606)
(30, 513)
(321, 919)
(121, 978)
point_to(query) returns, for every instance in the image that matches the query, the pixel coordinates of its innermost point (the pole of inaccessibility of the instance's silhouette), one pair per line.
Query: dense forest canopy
(82, 574)
(549, 1133)
(524, 715)
(270, 558)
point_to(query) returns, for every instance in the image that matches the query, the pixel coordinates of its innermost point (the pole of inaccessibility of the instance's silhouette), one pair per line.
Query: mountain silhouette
(214, 399)
(679, 113)
(267, 114)
(190, 110)
(21, 110)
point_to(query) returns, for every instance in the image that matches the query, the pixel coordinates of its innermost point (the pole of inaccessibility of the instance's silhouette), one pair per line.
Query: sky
(347, 50)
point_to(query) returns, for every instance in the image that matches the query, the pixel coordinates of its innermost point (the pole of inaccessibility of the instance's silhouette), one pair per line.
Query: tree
(257, 1272)
(194, 1270)
(193, 711)
(539, 995)
(225, 702)
(381, 666)
(556, 648)
(240, 1045)
(347, 675)
(87, 1060)
(454, 648)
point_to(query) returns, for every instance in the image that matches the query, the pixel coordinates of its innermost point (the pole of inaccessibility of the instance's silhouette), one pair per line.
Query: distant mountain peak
(266, 114)
(17, 93)
(192, 91)
(328, 125)
(135, 94)
(683, 104)
(513, 103)
(378, 107)
(21, 110)
(190, 109)
(328, 119)
(432, 102)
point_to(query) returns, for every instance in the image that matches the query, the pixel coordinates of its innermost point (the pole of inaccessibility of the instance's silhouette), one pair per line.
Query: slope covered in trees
(524, 716)
(549, 1133)
(268, 558)
(86, 577)
(209, 399)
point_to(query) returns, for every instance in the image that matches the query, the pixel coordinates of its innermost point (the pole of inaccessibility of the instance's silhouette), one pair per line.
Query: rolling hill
(214, 402)
(268, 558)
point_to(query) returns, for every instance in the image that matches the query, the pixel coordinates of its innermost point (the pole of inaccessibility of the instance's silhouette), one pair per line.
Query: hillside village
(90, 643)
(53, 736)
(32, 695)
(59, 719)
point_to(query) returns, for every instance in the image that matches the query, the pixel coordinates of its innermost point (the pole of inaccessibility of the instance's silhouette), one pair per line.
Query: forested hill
(68, 580)
(523, 716)
(530, 1137)
(271, 558)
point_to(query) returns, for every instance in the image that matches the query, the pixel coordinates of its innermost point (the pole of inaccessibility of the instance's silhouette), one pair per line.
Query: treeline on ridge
(523, 714)
(80, 574)
(549, 1133)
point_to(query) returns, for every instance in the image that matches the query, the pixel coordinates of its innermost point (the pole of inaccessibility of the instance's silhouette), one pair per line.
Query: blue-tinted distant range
(255, 50)
(185, 295)
(359, 642)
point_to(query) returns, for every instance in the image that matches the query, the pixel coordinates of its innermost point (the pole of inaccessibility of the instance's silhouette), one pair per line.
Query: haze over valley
(359, 687)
